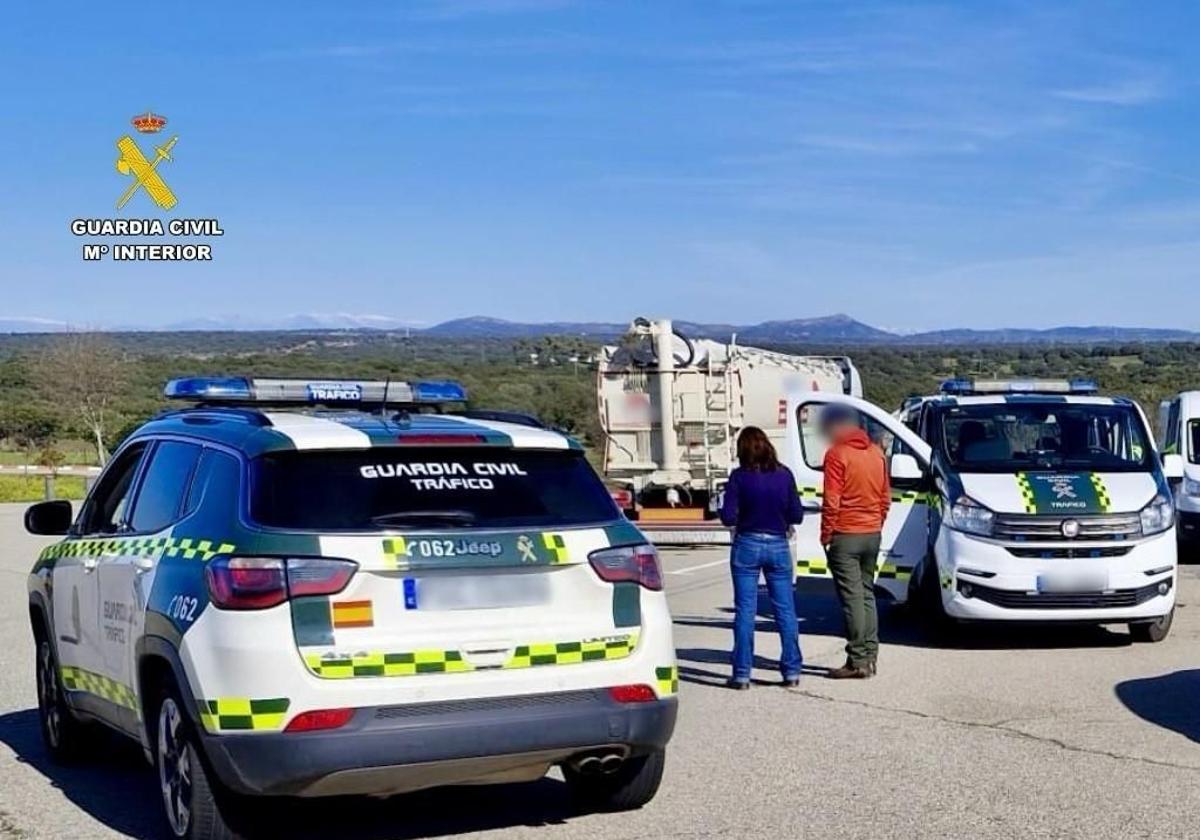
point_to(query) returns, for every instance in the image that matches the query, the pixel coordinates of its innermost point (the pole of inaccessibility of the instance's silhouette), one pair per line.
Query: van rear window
(426, 489)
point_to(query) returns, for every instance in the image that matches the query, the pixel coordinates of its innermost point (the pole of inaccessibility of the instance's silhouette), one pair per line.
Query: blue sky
(915, 165)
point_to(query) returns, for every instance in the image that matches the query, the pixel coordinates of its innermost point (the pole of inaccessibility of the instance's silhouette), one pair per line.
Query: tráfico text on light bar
(234, 390)
(966, 387)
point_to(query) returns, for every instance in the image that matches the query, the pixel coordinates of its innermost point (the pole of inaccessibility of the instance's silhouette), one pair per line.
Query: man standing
(857, 495)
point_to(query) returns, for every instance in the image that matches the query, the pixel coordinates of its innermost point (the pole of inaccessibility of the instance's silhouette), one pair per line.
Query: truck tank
(671, 408)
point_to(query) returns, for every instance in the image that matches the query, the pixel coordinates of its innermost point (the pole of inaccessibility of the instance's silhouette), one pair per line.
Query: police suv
(301, 588)
(1012, 501)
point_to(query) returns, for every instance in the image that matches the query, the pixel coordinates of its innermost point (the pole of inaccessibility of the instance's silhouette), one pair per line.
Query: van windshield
(395, 488)
(1015, 436)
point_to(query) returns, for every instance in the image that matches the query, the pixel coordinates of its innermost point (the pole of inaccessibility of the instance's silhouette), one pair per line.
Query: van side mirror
(905, 467)
(1172, 466)
(50, 519)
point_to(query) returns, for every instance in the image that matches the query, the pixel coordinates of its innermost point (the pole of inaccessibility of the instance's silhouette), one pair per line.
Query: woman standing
(761, 505)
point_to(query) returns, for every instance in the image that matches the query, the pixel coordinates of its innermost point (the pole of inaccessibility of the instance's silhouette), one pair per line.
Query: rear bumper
(396, 749)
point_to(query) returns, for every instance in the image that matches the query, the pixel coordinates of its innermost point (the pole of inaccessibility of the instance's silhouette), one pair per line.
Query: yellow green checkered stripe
(899, 497)
(668, 680)
(339, 666)
(89, 682)
(190, 548)
(1102, 497)
(819, 567)
(1026, 491)
(243, 714)
(407, 664)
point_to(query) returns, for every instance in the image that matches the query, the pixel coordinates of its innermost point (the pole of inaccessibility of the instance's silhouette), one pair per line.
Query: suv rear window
(396, 488)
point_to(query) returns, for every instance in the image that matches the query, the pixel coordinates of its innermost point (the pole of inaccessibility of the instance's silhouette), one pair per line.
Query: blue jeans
(769, 555)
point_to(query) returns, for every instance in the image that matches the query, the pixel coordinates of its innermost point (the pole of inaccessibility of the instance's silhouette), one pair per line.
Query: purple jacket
(761, 502)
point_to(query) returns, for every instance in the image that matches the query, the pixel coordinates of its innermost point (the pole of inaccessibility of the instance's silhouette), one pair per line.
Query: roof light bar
(966, 387)
(240, 390)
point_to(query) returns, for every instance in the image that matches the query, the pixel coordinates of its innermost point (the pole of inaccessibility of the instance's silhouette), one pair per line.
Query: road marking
(691, 569)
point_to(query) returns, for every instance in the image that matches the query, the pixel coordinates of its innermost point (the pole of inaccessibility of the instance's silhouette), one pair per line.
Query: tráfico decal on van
(1063, 493)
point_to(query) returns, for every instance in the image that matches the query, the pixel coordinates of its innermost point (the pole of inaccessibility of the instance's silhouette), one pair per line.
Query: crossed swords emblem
(144, 172)
(1062, 488)
(525, 546)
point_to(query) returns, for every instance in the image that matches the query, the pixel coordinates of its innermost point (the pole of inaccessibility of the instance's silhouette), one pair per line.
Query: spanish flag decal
(352, 614)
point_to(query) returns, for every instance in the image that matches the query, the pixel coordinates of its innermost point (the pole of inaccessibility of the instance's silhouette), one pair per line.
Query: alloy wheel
(174, 767)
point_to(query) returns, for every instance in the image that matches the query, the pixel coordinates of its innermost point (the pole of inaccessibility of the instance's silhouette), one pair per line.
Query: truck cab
(1012, 501)
(1179, 420)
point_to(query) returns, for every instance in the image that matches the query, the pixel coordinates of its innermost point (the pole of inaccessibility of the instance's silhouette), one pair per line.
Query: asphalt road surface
(1041, 733)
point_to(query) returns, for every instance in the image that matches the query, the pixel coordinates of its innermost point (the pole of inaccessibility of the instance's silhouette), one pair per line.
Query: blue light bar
(235, 390)
(446, 390)
(968, 387)
(230, 388)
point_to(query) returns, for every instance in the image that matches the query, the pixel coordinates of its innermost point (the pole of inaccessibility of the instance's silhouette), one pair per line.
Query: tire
(194, 805)
(630, 787)
(1153, 631)
(62, 733)
(933, 613)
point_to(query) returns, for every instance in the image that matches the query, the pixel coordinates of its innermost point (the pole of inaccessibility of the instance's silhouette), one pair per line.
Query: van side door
(905, 537)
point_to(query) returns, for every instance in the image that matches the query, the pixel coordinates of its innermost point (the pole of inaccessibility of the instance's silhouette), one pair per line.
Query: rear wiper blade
(440, 517)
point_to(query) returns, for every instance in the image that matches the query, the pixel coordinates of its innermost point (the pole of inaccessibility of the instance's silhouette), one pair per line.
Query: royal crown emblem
(149, 123)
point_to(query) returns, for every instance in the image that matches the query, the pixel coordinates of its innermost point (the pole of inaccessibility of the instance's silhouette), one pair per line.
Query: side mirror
(1173, 466)
(905, 468)
(51, 519)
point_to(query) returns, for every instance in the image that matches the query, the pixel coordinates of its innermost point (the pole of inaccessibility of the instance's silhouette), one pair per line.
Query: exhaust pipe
(603, 762)
(589, 765)
(611, 763)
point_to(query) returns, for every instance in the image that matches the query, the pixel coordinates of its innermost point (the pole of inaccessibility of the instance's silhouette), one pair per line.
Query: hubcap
(174, 768)
(48, 695)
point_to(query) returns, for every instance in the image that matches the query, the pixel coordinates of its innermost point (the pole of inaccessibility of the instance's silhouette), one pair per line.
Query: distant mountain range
(832, 329)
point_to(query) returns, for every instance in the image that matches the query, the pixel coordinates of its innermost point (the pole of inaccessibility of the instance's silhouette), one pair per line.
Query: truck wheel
(628, 788)
(195, 809)
(62, 733)
(1152, 631)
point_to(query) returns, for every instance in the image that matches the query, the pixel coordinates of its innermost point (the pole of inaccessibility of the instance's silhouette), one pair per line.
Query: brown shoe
(849, 672)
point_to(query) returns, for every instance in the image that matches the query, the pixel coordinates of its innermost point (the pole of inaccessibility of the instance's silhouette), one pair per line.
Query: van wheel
(192, 804)
(1152, 631)
(62, 733)
(933, 613)
(628, 788)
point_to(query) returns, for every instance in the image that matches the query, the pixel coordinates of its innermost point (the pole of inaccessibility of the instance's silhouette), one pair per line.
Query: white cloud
(1125, 93)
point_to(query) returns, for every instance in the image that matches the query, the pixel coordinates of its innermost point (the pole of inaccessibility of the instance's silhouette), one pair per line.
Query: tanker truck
(671, 407)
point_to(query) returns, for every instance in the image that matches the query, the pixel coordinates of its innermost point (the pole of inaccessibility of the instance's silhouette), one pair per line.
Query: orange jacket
(858, 492)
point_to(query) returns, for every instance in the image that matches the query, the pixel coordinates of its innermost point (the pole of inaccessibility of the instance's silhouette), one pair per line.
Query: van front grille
(1034, 528)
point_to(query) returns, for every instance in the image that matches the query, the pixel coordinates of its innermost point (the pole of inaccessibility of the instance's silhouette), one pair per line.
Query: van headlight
(1157, 516)
(1191, 487)
(969, 516)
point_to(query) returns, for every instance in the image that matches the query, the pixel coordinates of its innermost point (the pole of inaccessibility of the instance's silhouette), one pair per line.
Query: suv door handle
(143, 564)
(89, 564)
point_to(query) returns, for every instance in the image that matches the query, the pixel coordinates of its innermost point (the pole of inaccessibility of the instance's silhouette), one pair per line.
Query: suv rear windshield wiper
(417, 517)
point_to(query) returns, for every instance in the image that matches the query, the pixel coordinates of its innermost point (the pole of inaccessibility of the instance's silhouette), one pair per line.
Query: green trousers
(852, 559)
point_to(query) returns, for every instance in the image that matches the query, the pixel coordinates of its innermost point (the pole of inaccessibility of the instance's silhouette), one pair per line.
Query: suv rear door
(470, 558)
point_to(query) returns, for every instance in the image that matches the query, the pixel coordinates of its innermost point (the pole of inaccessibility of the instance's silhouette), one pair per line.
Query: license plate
(1073, 581)
(479, 592)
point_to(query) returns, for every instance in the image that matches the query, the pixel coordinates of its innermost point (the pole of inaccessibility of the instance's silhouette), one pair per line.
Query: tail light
(632, 693)
(319, 719)
(256, 583)
(636, 563)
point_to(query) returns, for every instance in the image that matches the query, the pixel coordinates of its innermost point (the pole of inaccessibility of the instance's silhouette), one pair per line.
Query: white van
(1180, 422)
(1012, 501)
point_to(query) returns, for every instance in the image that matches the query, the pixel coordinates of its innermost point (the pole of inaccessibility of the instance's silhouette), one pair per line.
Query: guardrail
(49, 474)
